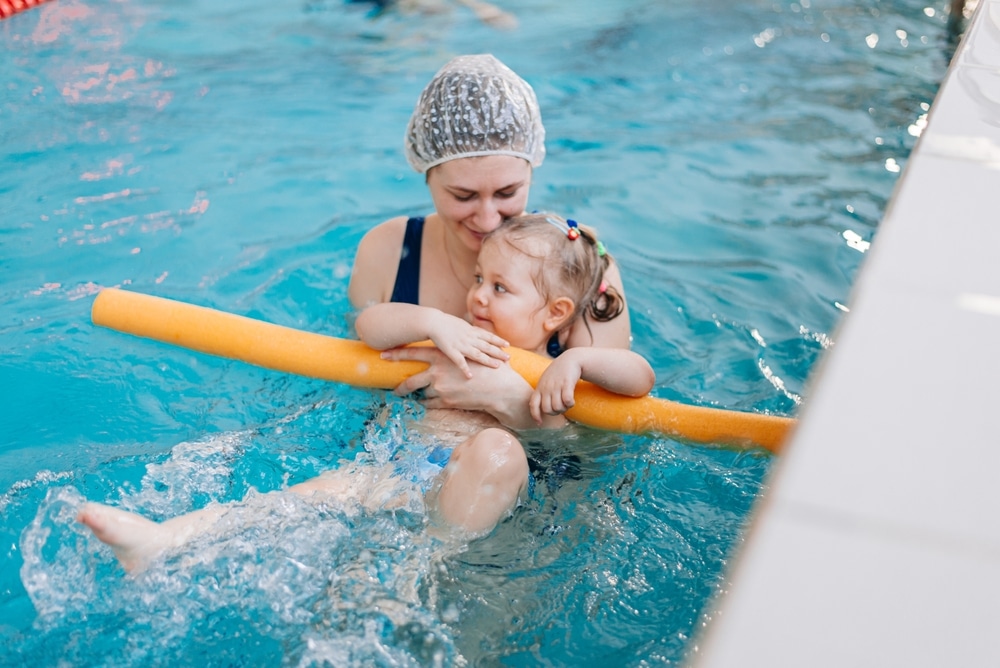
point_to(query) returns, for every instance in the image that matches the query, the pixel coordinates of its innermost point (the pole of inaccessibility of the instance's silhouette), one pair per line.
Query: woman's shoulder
(375, 262)
(385, 233)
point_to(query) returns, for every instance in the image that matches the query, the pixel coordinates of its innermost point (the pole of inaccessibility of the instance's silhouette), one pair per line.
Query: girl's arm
(391, 324)
(615, 369)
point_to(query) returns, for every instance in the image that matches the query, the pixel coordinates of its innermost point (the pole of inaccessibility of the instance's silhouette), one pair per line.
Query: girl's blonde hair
(571, 263)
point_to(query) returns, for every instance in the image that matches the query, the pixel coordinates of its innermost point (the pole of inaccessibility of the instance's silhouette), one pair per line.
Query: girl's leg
(135, 540)
(482, 481)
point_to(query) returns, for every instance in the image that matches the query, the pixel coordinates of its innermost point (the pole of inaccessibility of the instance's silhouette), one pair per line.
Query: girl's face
(505, 301)
(473, 195)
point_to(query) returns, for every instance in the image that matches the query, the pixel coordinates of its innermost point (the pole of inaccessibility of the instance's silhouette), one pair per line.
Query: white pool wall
(877, 542)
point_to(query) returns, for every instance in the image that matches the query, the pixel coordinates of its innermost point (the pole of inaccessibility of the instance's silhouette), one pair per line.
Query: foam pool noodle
(354, 363)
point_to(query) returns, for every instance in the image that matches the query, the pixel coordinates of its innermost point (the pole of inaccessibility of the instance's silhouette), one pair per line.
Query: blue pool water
(736, 158)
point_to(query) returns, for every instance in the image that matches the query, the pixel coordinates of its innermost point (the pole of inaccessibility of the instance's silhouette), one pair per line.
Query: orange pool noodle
(352, 362)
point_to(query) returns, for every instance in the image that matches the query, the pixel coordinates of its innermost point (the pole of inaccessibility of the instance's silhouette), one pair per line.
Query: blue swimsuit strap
(552, 347)
(406, 290)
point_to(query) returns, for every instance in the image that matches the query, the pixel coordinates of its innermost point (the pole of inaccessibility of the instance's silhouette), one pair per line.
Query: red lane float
(352, 362)
(11, 7)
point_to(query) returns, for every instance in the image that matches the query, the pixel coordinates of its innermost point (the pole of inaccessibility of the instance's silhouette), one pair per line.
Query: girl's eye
(478, 279)
(499, 288)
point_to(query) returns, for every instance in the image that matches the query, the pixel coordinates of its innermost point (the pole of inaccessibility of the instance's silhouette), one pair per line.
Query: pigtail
(607, 303)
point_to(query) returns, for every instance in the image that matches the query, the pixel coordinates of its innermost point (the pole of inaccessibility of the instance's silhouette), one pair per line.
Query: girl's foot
(135, 540)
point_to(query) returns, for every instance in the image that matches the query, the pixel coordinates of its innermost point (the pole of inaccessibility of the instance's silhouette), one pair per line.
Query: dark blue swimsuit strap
(407, 287)
(552, 347)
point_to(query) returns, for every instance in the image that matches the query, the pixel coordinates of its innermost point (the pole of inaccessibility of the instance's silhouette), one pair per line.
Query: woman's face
(472, 195)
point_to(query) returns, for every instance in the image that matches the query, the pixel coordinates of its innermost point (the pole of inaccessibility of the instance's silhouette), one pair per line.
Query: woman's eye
(506, 194)
(464, 198)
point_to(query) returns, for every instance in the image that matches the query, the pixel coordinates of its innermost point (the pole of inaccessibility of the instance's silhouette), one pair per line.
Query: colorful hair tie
(601, 250)
(573, 232)
(603, 288)
(571, 228)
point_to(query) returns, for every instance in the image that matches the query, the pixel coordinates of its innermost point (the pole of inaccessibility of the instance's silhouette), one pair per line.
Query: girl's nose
(479, 293)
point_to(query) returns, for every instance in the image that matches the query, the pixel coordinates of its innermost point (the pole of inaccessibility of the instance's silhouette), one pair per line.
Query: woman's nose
(488, 216)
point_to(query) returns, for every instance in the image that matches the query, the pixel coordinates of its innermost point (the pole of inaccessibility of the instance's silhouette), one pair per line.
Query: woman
(476, 134)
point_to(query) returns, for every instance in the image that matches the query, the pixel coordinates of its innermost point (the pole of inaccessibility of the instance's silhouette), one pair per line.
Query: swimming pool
(736, 159)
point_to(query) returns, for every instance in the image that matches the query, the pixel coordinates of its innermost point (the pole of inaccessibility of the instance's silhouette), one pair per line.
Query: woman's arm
(619, 371)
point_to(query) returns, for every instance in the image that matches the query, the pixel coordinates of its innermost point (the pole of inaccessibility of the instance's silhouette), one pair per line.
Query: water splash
(301, 581)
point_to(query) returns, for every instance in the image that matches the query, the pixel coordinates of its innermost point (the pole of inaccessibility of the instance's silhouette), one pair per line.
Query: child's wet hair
(572, 263)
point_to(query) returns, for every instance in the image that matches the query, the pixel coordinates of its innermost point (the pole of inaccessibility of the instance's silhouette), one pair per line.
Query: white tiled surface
(879, 542)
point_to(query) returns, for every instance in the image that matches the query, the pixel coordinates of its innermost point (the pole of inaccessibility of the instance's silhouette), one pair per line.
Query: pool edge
(876, 543)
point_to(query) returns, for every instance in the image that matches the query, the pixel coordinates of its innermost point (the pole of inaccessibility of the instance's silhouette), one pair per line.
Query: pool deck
(878, 540)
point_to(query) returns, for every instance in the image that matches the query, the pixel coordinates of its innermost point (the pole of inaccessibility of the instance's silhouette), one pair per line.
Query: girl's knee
(499, 451)
(482, 482)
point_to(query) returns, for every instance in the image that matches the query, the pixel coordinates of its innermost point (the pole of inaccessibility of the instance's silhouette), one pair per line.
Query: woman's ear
(560, 310)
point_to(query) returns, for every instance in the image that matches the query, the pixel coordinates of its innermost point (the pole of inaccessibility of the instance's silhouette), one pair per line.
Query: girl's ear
(560, 310)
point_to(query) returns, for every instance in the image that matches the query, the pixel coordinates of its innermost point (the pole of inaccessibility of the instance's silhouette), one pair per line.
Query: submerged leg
(135, 540)
(371, 487)
(482, 481)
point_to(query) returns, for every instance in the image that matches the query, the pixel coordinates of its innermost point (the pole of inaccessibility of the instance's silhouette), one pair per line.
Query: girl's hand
(461, 342)
(555, 392)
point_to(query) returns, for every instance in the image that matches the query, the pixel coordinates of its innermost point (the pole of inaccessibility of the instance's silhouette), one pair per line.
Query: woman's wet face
(473, 195)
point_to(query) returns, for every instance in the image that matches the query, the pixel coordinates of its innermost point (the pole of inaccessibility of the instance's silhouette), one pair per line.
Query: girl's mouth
(482, 323)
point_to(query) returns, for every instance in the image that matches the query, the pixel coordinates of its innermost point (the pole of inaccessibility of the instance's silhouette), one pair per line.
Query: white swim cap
(475, 105)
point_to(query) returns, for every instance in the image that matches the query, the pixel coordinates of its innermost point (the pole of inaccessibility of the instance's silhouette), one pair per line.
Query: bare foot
(135, 540)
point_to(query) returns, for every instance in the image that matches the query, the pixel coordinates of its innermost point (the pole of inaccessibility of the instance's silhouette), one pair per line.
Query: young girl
(537, 275)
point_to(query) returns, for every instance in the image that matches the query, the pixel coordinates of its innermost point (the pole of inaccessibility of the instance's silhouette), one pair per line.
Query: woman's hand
(500, 391)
